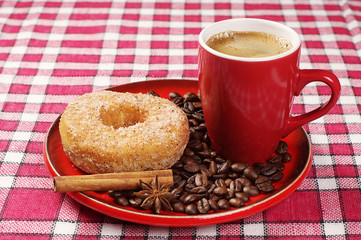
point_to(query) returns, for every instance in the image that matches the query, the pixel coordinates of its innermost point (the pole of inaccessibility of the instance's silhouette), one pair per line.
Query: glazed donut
(107, 131)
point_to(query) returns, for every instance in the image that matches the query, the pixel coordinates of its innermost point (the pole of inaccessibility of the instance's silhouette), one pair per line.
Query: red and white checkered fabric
(52, 51)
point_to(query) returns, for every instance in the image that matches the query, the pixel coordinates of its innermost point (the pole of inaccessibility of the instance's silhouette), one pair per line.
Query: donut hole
(120, 116)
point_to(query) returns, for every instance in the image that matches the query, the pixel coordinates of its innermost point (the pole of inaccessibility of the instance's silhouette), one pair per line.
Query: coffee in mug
(249, 44)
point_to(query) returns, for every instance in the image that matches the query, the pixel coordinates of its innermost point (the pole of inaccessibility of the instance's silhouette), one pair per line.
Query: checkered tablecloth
(53, 51)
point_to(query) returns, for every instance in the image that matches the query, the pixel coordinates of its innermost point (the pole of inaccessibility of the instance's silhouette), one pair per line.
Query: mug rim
(296, 41)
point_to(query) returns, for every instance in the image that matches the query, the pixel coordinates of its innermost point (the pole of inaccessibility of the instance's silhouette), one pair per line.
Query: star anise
(155, 196)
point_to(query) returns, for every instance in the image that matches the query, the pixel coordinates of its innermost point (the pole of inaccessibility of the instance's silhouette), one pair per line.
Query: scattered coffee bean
(243, 196)
(250, 173)
(153, 93)
(266, 187)
(220, 191)
(191, 209)
(223, 204)
(282, 147)
(286, 157)
(178, 206)
(238, 167)
(236, 202)
(251, 190)
(203, 206)
(122, 201)
(205, 181)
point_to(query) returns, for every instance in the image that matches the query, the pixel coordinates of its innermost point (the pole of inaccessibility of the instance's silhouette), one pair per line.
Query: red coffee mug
(247, 101)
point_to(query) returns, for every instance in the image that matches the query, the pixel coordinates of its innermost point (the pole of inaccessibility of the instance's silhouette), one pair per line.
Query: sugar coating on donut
(107, 131)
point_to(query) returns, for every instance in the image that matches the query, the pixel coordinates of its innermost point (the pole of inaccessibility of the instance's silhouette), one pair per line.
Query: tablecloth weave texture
(54, 51)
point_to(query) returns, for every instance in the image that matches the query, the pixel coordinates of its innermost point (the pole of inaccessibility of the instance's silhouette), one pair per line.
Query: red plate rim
(186, 220)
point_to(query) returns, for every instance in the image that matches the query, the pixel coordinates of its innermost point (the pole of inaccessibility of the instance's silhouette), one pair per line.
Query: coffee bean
(266, 187)
(223, 204)
(191, 209)
(275, 158)
(238, 167)
(203, 206)
(189, 106)
(286, 157)
(236, 186)
(279, 166)
(268, 170)
(261, 179)
(228, 181)
(178, 101)
(135, 202)
(122, 201)
(250, 173)
(198, 190)
(191, 168)
(198, 116)
(244, 181)
(178, 206)
(277, 177)
(213, 204)
(153, 93)
(174, 95)
(181, 184)
(220, 191)
(183, 196)
(201, 127)
(191, 97)
(282, 147)
(193, 123)
(191, 198)
(177, 191)
(212, 168)
(220, 176)
(236, 202)
(230, 194)
(251, 190)
(224, 167)
(220, 182)
(242, 195)
(219, 160)
(187, 153)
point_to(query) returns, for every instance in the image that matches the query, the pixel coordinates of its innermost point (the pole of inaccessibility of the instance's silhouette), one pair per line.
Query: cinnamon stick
(110, 181)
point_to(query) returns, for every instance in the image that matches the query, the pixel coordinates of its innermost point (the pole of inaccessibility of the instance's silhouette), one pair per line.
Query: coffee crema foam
(249, 44)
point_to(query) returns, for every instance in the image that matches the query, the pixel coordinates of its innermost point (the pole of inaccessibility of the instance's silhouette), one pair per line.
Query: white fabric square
(35, 98)
(347, 100)
(21, 136)
(319, 139)
(6, 181)
(109, 229)
(322, 160)
(40, 80)
(355, 138)
(358, 160)
(102, 81)
(158, 232)
(327, 184)
(14, 157)
(209, 230)
(253, 229)
(352, 118)
(65, 228)
(311, 99)
(19, 49)
(334, 229)
(29, 117)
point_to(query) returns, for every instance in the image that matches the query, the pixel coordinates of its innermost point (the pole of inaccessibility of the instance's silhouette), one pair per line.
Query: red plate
(295, 172)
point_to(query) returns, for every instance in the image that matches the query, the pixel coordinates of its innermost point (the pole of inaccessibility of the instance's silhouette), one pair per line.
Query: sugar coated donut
(107, 131)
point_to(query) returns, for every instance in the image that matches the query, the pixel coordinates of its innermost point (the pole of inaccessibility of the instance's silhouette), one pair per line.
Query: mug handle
(305, 77)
